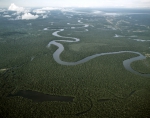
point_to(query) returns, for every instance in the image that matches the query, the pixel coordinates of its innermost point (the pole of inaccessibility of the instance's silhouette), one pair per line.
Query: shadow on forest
(41, 97)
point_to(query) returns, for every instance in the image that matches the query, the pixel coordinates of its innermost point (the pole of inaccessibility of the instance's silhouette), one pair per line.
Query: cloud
(5, 12)
(28, 16)
(7, 16)
(45, 16)
(111, 14)
(50, 8)
(13, 7)
(43, 12)
(78, 3)
(17, 18)
(98, 12)
(39, 11)
(2, 10)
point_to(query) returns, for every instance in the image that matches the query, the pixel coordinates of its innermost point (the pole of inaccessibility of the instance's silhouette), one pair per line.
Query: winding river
(56, 54)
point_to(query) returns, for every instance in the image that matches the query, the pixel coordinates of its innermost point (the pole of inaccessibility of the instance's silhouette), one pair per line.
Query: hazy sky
(77, 3)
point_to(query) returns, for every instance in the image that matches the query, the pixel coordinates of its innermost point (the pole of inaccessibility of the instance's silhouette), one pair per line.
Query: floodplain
(100, 87)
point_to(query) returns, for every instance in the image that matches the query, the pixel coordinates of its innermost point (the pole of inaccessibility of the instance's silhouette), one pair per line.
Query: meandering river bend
(56, 54)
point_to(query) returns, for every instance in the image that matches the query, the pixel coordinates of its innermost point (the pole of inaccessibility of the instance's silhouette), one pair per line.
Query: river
(56, 54)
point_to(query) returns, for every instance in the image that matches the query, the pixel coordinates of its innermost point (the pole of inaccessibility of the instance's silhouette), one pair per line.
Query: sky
(77, 3)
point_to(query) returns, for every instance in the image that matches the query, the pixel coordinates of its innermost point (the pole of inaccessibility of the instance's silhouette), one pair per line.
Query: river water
(126, 63)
